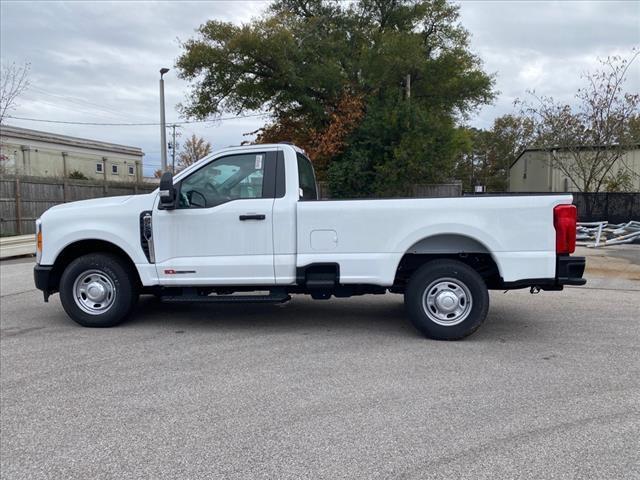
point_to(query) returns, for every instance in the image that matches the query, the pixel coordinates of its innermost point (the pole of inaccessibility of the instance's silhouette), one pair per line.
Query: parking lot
(547, 388)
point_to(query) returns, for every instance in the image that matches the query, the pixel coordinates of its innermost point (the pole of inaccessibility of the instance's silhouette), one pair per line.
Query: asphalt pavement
(549, 387)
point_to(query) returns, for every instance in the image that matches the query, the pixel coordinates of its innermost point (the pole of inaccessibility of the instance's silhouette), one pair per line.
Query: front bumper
(44, 280)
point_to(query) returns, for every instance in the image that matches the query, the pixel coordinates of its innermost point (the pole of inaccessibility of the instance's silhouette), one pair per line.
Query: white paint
(214, 244)
(324, 240)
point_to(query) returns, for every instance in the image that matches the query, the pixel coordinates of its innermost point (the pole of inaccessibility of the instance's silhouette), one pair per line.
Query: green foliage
(77, 175)
(634, 129)
(620, 181)
(396, 146)
(304, 57)
(490, 153)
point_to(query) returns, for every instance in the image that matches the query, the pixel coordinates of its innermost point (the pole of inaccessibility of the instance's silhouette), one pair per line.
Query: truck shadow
(371, 315)
(300, 314)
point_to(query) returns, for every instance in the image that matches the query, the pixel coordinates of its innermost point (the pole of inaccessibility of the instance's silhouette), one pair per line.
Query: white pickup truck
(245, 225)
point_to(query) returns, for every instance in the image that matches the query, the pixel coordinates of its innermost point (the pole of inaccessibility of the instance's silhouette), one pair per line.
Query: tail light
(564, 221)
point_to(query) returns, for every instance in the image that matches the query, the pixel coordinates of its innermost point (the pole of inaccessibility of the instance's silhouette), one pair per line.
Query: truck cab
(249, 219)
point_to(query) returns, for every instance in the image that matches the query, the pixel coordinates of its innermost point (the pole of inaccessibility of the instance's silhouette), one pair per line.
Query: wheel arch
(448, 243)
(456, 246)
(83, 247)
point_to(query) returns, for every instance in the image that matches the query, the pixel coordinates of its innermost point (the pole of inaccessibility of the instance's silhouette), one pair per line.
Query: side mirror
(167, 192)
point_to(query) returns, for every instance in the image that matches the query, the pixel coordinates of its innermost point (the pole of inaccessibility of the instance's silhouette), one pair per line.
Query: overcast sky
(99, 61)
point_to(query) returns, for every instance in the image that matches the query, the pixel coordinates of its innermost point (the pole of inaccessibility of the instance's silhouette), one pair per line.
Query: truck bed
(369, 237)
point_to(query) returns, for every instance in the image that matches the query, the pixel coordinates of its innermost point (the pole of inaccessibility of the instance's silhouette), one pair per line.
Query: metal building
(43, 154)
(535, 171)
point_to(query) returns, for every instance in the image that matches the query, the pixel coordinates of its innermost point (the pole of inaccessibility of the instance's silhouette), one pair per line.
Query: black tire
(440, 324)
(111, 274)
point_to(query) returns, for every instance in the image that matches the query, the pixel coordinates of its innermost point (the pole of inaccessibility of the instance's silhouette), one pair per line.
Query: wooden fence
(23, 199)
(437, 190)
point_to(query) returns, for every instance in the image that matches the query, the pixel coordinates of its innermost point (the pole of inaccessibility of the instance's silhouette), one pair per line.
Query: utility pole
(173, 149)
(163, 126)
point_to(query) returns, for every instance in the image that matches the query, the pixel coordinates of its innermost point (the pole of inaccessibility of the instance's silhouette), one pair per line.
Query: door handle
(252, 216)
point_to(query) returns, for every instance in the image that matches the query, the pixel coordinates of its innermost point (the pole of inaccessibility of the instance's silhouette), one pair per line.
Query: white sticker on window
(258, 162)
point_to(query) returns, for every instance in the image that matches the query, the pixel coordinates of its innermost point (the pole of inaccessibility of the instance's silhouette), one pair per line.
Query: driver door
(221, 231)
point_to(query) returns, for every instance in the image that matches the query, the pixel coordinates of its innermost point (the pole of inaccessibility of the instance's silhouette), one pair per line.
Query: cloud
(548, 46)
(99, 61)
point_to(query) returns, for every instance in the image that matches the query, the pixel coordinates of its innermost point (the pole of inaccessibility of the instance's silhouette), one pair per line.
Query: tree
(396, 146)
(634, 128)
(193, 150)
(470, 167)
(492, 152)
(328, 72)
(588, 140)
(320, 145)
(14, 80)
(509, 136)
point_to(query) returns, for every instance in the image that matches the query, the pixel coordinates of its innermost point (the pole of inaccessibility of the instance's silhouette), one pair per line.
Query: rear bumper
(42, 276)
(569, 271)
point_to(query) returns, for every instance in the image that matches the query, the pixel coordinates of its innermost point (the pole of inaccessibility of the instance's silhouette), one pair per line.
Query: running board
(278, 298)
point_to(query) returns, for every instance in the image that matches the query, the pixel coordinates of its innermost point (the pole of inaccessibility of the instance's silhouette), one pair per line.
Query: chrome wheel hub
(447, 301)
(94, 292)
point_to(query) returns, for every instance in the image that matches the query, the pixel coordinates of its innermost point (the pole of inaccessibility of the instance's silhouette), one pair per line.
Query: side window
(227, 178)
(306, 179)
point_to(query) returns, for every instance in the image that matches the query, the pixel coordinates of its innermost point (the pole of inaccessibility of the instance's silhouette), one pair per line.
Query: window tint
(306, 179)
(227, 178)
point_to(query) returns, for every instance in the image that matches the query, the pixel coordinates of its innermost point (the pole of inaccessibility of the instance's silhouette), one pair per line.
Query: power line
(77, 101)
(186, 122)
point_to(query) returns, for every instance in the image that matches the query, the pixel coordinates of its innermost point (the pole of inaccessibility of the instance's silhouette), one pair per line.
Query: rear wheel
(446, 300)
(98, 290)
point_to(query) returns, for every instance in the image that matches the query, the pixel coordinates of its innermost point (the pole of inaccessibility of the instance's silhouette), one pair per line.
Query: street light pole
(173, 149)
(163, 126)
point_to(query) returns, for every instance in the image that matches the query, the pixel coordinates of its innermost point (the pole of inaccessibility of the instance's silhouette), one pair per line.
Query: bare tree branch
(596, 133)
(193, 150)
(14, 80)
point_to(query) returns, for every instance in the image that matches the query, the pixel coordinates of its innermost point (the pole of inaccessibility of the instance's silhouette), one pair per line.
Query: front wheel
(446, 300)
(98, 290)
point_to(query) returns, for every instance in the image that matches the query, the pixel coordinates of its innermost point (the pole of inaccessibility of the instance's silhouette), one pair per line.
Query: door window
(225, 179)
(306, 179)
